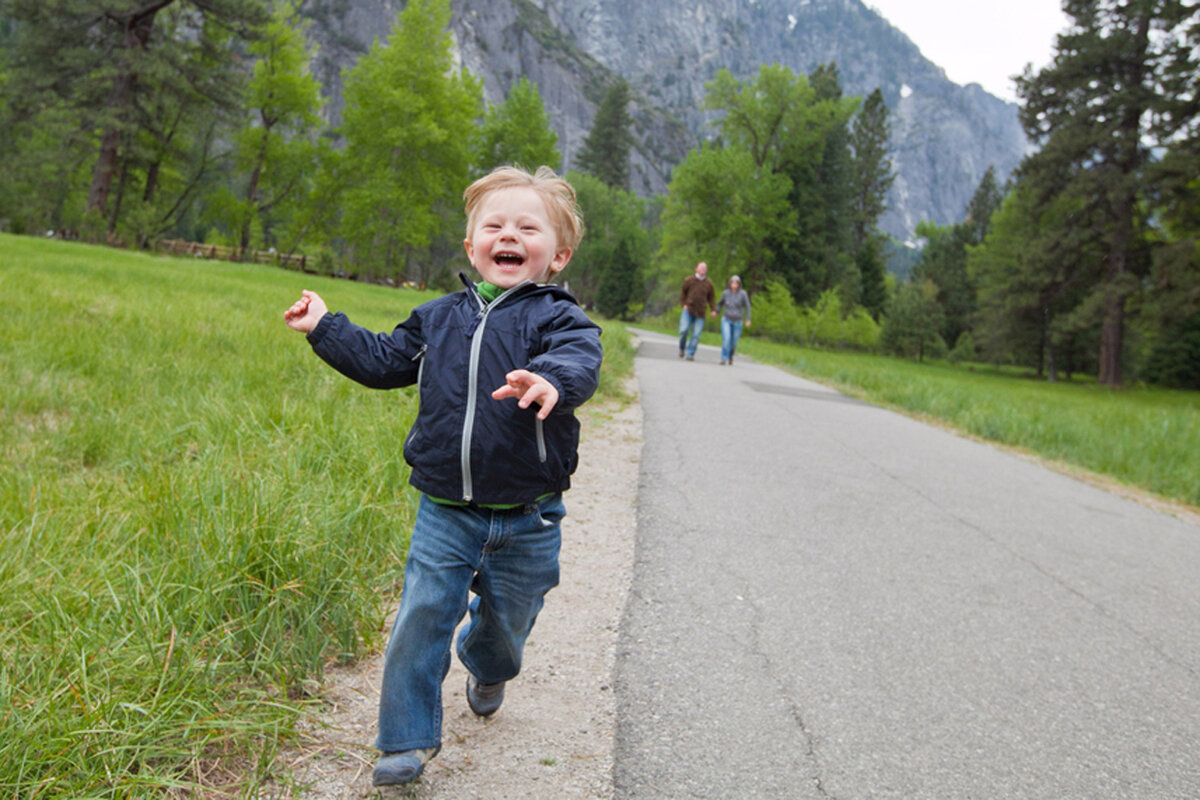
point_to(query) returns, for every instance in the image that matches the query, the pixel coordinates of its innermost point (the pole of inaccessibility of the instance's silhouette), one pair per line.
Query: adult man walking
(695, 296)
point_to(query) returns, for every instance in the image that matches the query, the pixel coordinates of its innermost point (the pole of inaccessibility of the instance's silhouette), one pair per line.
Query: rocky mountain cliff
(944, 136)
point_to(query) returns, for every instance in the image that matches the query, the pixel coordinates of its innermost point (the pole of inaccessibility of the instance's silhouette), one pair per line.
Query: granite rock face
(944, 136)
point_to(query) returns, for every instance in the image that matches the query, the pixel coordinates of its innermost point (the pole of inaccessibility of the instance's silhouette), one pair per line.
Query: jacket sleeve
(712, 297)
(570, 358)
(377, 360)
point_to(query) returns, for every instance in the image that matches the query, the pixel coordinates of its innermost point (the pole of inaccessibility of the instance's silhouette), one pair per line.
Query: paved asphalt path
(831, 600)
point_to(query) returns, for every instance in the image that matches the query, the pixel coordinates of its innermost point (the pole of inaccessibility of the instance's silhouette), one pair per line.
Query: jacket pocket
(420, 359)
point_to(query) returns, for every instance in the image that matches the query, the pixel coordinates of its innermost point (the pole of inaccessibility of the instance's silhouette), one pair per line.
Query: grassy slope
(195, 513)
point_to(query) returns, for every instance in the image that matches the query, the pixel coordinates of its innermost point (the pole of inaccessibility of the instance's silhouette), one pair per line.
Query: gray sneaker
(484, 698)
(403, 767)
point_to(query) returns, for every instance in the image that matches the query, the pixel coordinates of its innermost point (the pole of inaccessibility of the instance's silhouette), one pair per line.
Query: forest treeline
(136, 120)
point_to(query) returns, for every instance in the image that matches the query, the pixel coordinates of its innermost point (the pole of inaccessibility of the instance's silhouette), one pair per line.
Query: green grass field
(1143, 437)
(197, 514)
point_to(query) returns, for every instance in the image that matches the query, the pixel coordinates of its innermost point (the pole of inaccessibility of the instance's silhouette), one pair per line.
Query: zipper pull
(420, 353)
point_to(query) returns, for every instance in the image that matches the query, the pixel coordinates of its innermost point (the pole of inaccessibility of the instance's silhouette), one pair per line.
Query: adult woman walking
(735, 307)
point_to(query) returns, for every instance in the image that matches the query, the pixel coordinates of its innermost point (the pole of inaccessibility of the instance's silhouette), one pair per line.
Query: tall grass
(195, 515)
(618, 360)
(1144, 437)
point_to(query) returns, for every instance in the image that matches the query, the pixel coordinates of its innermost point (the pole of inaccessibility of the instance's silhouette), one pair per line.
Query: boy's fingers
(528, 389)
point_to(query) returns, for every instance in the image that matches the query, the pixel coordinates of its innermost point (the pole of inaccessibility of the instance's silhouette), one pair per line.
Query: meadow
(1142, 437)
(197, 516)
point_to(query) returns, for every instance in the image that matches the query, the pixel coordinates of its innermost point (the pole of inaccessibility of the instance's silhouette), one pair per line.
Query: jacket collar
(521, 289)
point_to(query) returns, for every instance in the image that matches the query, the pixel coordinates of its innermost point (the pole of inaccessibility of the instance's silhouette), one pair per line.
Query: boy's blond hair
(556, 193)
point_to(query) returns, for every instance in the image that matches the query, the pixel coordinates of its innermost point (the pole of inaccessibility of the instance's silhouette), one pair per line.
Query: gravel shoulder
(553, 738)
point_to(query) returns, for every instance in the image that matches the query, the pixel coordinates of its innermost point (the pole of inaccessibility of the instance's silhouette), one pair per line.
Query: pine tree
(944, 263)
(606, 272)
(1096, 112)
(518, 132)
(618, 282)
(605, 151)
(105, 61)
(816, 256)
(872, 174)
(1030, 277)
(871, 177)
(983, 204)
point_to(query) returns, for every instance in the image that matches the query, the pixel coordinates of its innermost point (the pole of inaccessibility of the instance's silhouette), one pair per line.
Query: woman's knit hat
(735, 278)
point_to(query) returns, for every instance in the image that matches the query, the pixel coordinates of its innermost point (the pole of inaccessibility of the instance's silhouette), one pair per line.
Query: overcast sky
(979, 41)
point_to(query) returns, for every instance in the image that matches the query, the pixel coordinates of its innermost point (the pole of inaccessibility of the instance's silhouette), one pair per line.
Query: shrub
(775, 314)
(964, 349)
(1175, 361)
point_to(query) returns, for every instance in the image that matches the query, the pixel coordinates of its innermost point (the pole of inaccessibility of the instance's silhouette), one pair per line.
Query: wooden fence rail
(222, 253)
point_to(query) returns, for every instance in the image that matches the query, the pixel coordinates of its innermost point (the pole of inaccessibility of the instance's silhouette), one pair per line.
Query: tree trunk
(137, 28)
(122, 182)
(252, 188)
(106, 164)
(1051, 363)
(1112, 330)
(1112, 335)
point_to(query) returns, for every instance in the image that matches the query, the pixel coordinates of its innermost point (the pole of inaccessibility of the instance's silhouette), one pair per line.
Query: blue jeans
(509, 559)
(689, 331)
(731, 331)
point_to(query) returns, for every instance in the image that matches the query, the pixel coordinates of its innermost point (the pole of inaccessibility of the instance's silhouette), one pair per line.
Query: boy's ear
(559, 262)
(470, 251)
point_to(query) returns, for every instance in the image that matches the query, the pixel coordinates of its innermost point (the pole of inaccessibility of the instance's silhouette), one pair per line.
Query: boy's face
(513, 239)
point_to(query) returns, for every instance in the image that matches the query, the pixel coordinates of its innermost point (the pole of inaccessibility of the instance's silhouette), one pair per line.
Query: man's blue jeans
(731, 331)
(509, 559)
(689, 331)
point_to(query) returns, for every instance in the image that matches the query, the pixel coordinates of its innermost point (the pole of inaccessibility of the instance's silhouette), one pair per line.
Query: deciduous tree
(276, 150)
(517, 131)
(409, 128)
(721, 210)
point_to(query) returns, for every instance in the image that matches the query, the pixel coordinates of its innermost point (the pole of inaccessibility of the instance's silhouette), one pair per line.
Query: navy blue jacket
(465, 446)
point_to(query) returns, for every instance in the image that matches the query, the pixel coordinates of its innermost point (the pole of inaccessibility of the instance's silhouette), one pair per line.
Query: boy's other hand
(529, 388)
(306, 312)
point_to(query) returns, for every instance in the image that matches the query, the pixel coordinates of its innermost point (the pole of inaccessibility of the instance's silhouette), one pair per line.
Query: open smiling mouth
(509, 259)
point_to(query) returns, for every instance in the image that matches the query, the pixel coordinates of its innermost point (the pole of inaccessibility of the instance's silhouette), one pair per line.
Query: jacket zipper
(473, 387)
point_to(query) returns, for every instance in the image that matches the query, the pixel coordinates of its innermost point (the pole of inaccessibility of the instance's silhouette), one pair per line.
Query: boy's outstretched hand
(529, 388)
(306, 312)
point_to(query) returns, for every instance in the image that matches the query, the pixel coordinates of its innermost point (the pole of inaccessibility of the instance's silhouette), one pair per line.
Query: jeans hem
(416, 744)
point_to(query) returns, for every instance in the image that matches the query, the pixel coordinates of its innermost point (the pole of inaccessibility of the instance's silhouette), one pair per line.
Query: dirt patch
(553, 738)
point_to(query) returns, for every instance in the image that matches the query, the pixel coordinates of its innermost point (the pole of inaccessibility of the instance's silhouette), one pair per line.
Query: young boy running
(500, 368)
